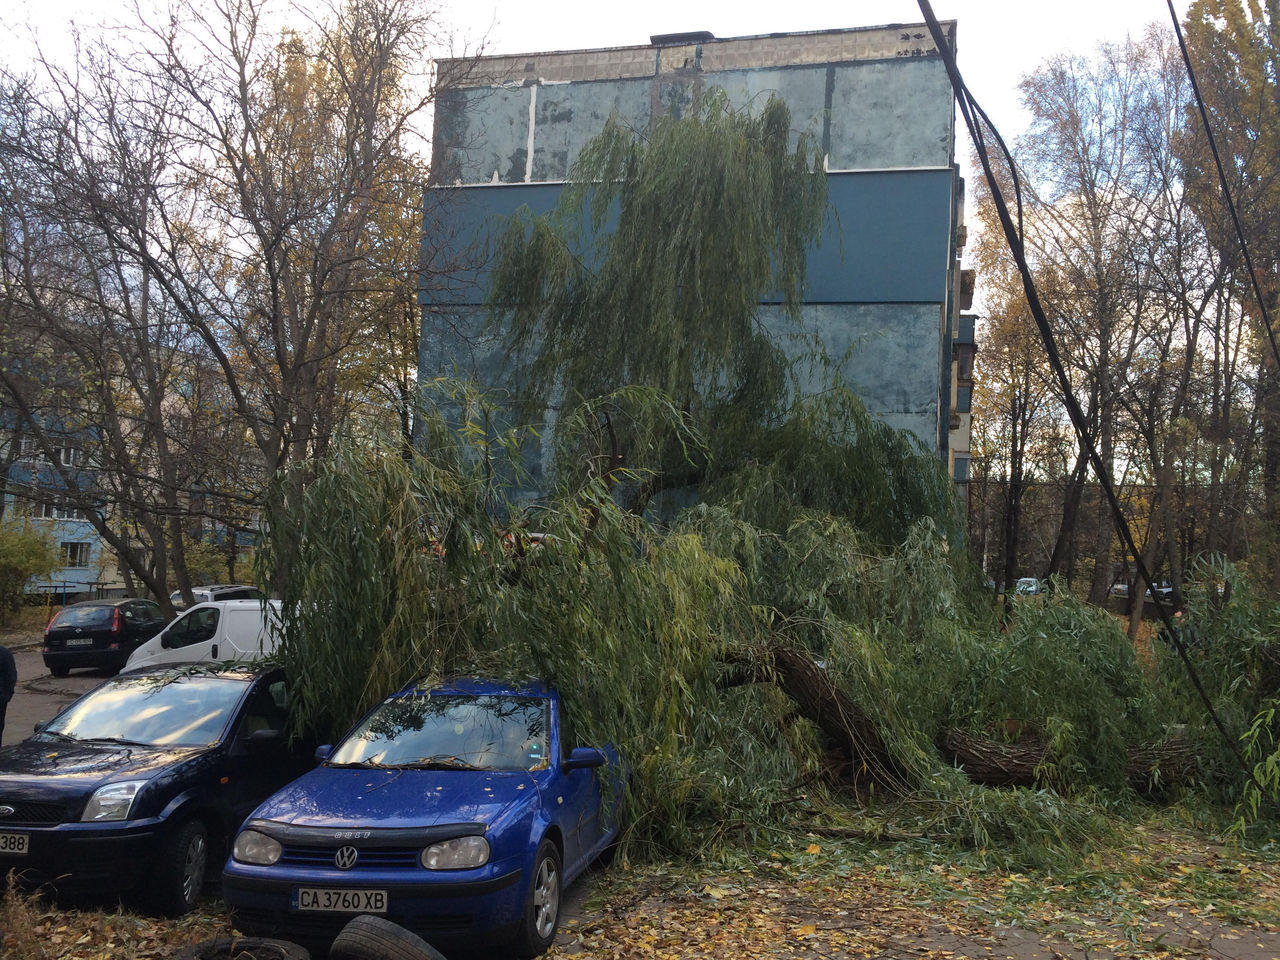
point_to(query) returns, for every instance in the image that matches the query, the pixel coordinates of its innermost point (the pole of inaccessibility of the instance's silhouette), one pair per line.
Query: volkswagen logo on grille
(346, 857)
(6, 810)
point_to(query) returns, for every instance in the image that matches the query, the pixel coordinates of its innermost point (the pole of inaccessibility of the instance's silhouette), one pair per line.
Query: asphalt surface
(39, 696)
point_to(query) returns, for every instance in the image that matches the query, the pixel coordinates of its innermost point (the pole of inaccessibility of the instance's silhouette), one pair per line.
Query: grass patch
(28, 620)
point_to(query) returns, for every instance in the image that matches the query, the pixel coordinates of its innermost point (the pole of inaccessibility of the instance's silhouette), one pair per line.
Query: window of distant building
(57, 511)
(66, 454)
(75, 555)
(70, 456)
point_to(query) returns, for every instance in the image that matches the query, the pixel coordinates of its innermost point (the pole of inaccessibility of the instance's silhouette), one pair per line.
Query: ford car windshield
(150, 710)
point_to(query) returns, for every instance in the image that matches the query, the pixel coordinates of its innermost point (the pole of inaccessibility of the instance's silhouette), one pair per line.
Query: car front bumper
(441, 910)
(114, 856)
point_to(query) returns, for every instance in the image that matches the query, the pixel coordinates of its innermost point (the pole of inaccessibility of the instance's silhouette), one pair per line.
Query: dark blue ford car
(460, 812)
(140, 784)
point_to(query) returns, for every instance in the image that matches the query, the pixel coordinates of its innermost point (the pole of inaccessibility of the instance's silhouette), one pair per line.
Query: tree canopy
(804, 635)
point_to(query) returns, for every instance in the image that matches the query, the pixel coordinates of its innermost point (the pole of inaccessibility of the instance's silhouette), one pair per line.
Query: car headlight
(113, 801)
(256, 848)
(457, 854)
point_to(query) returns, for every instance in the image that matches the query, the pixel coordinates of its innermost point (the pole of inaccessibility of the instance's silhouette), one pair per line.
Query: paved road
(39, 695)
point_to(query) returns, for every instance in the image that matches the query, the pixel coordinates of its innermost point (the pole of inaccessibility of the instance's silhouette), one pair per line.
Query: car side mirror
(323, 751)
(39, 727)
(582, 757)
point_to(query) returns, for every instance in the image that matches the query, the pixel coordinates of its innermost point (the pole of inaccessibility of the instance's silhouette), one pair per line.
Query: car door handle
(214, 654)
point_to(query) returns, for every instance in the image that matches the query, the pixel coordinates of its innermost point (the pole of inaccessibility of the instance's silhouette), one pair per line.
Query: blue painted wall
(878, 102)
(886, 242)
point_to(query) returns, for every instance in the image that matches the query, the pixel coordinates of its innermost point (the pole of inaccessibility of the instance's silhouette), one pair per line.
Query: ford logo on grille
(6, 810)
(346, 857)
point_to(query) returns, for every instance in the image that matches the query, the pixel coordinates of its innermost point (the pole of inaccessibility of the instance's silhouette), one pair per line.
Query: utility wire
(1226, 188)
(1013, 236)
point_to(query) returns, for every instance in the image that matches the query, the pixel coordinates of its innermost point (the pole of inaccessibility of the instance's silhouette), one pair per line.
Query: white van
(217, 630)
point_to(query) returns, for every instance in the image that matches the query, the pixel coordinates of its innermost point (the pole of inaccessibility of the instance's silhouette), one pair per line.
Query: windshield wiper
(59, 735)
(121, 740)
(442, 762)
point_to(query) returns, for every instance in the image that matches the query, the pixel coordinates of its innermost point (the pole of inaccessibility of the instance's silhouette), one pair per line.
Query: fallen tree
(1150, 769)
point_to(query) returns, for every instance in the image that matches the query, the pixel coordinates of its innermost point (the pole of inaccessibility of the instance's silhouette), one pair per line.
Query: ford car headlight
(460, 853)
(256, 848)
(113, 801)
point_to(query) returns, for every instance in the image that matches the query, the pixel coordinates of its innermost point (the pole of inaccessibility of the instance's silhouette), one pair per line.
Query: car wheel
(374, 938)
(60, 671)
(542, 904)
(178, 876)
(244, 948)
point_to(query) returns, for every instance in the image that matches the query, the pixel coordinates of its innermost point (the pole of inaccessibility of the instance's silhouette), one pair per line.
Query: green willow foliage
(407, 565)
(652, 267)
(797, 523)
(1231, 628)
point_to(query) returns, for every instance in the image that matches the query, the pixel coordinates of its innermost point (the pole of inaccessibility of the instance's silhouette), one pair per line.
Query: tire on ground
(541, 917)
(180, 868)
(244, 948)
(367, 937)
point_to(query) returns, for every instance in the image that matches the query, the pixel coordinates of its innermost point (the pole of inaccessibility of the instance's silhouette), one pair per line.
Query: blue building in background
(885, 288)
(36, 490)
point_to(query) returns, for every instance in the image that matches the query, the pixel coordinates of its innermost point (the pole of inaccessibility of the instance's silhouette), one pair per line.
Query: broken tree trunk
(844, 721)
(1148, 769)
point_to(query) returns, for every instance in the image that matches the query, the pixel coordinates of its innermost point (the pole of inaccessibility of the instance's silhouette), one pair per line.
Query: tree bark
(845, 722)
(1148, 769)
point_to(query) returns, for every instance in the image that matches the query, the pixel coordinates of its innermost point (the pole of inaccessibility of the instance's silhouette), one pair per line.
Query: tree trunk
(1061, 561)
(844, 721)
(1148, 769)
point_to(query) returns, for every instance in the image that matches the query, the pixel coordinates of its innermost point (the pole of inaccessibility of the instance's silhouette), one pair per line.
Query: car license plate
(336, 900)
(14, 844)
(80, 641)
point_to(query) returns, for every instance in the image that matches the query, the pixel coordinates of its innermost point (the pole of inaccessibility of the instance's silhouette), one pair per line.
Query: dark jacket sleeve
(8, 675)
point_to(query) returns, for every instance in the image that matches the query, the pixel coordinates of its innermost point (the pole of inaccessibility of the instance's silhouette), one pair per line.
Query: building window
(70, 456)
(961, 469)
(55, 511)
(75, 555)
(964, 399)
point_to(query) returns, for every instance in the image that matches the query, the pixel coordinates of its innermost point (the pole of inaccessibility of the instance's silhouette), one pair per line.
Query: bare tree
(241, 200)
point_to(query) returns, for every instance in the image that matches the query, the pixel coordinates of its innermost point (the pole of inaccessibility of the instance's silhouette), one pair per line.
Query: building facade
(885, 285)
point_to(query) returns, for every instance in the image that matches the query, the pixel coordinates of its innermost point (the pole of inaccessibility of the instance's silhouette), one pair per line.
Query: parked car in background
(213, 631)
(218, 591)
(460, 812)
(139, 785)
(99, 633)
(1028, 586)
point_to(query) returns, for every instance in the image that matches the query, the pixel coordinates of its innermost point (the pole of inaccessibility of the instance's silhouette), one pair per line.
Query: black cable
(968, 107)
(1226, 188)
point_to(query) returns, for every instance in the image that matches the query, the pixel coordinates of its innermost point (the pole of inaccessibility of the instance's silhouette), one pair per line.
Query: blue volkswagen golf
(460, 812)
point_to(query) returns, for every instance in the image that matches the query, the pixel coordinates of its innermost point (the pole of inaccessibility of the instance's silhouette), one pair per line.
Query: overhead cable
(969, 109)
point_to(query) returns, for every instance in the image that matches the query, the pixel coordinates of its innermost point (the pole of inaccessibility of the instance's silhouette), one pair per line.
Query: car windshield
(451, 731)
(84, 617)
(182, 711)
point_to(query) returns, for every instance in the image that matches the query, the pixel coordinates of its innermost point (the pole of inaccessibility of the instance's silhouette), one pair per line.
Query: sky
(999, 41)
